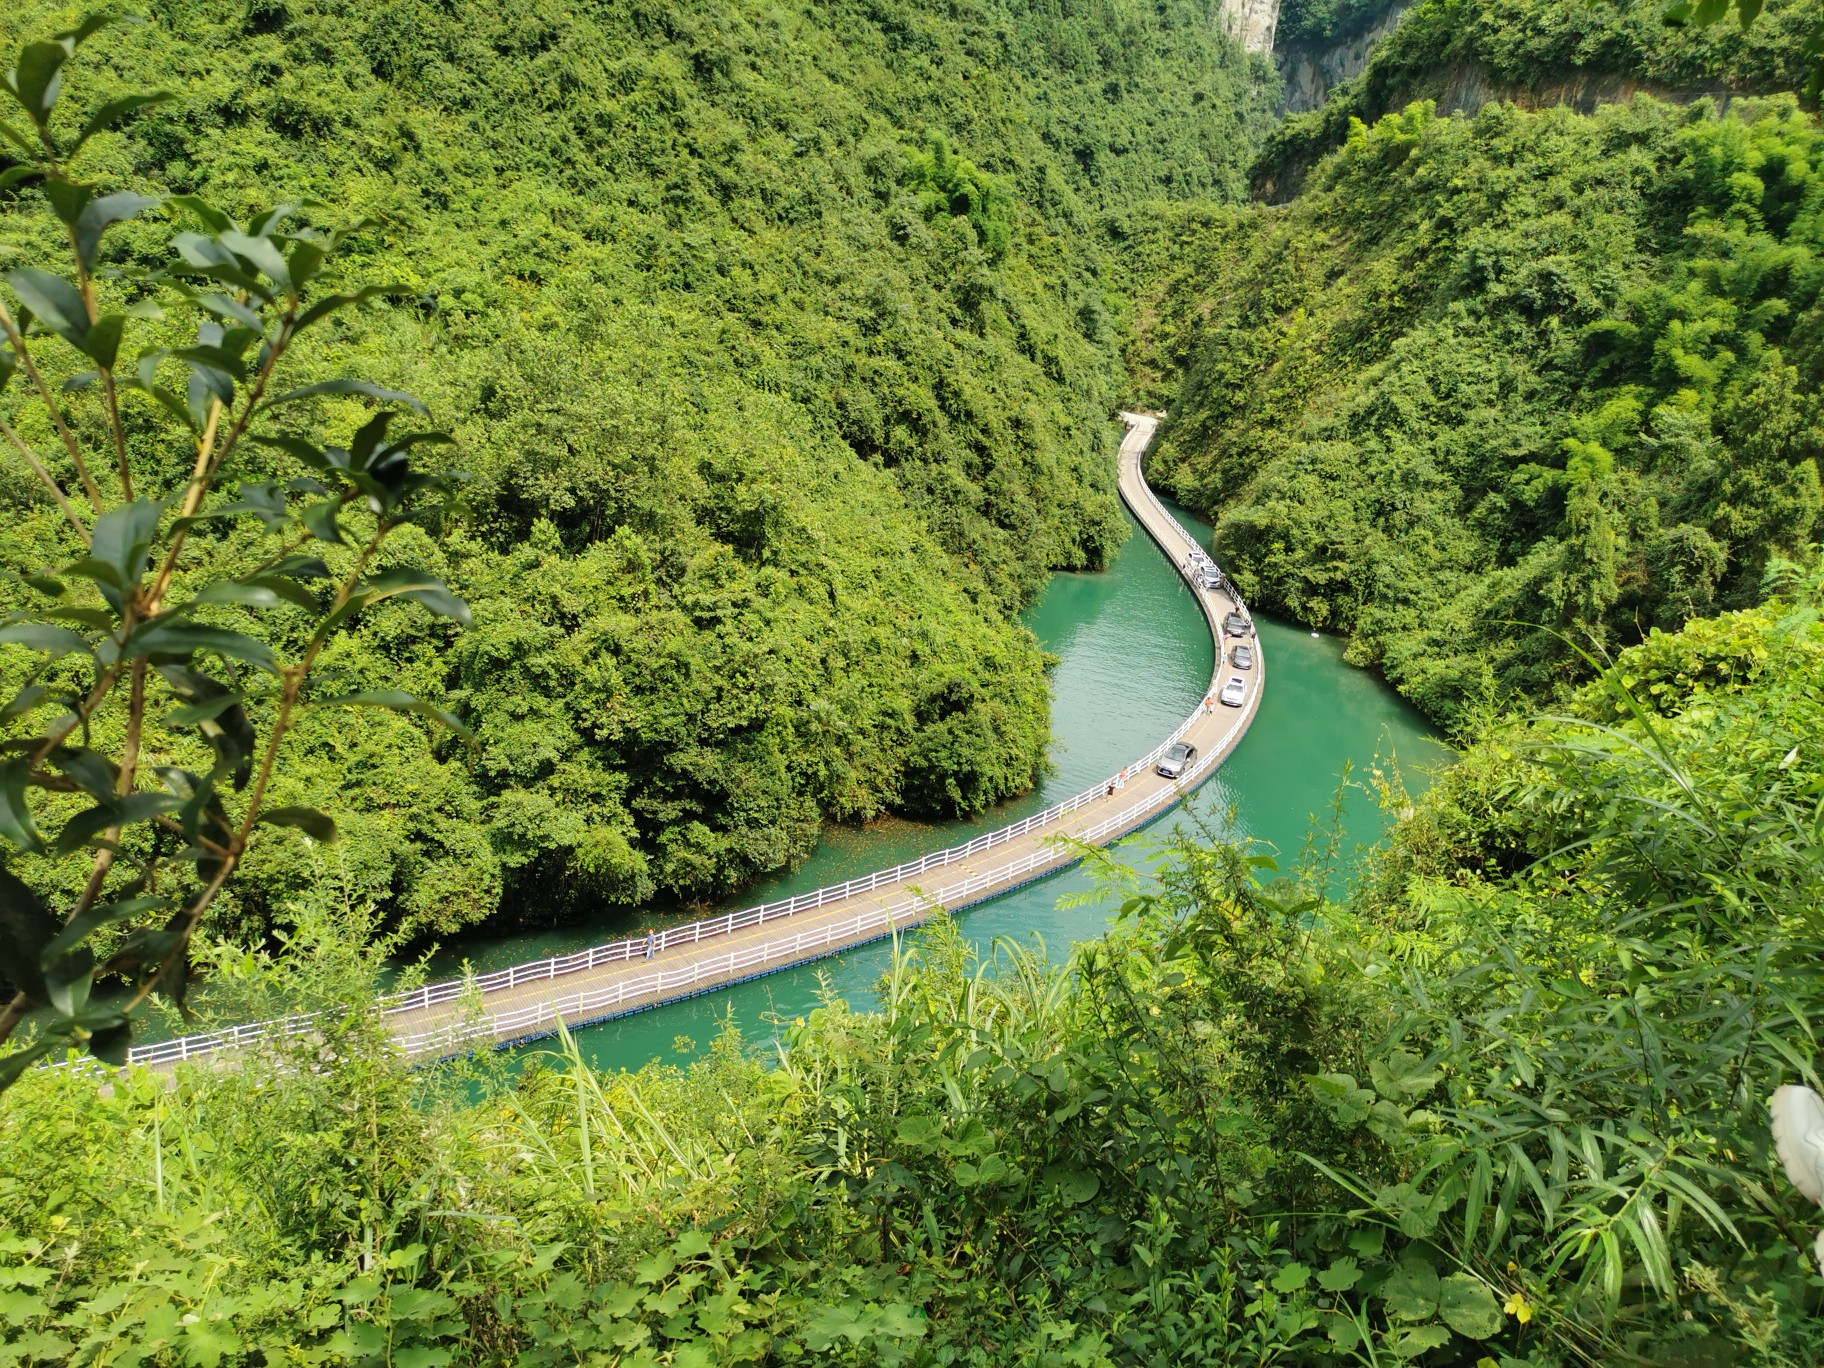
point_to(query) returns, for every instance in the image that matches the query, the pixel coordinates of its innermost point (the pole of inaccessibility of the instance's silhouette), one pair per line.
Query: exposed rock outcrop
(1310, 73)
(1252, 23)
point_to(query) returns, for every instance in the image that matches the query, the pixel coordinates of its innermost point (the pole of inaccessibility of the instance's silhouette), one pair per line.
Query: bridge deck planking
(447, 1027)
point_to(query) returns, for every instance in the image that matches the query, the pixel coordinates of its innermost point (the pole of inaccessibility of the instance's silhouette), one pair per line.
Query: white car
(1234, 691)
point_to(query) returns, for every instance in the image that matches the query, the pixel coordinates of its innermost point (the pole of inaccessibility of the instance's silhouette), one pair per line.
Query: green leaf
(1410, 1343)
(400, 702)
(919, 1132)
(316, 825)
(102, 214)
(16, 1063)
(262, 252)
(24, 701)
(1401, 1075)
(111, 1043)
(418, 587)
(38, 77)
(1468, 1307)
(26, 927)
(1340, 1276)
(67, 980)
(113, 112)
(177, 637)
(213, 219)
(93, 918)
(68, 198)
(125, 811)
(371, 390)
(1294, 1277)
(1411, 1291)
(16, 823)
(323, 308)
(320, 519)
(56, 642)
(102, 344)
(54, 302)
(122, 539)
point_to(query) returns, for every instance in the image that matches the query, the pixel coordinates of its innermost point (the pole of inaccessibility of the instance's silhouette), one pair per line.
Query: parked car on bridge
(1242, 657)
(1176, 759)
(1234, 691)
(1209, 577)
(1234, 624)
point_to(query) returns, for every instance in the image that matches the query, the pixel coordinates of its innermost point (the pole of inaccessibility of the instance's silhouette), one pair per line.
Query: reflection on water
(1135, 660)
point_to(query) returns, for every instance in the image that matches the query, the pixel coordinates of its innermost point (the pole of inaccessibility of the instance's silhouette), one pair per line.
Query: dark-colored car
(1176, 760)
(1242, 657)
(1234, 624)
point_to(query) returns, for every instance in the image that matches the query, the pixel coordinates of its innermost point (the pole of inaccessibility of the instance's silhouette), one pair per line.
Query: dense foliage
(1463, 52)
(1506, 1104)
(780, 365)
(144, 741)
(1499, 389)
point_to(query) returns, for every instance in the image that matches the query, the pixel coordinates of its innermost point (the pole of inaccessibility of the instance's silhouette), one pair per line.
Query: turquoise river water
(1135, 659)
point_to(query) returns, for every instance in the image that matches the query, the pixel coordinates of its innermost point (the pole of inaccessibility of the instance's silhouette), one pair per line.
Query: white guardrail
(527, 1020)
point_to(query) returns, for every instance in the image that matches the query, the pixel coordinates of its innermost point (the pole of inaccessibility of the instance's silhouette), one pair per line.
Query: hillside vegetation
(1462, 52)
(1497, 390)
(1506, 1104)
(780, 364)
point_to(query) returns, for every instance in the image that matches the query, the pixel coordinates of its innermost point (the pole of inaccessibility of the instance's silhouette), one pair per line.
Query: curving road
(528, 1001)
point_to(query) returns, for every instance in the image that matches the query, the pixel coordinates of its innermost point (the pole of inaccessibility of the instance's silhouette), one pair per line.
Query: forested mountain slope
(1462, 53)
(777, 350)
(1491, 380)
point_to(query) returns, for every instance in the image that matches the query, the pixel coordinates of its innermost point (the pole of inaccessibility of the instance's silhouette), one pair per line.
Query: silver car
(1242, 657)
(1176, 759)
(1209, 577)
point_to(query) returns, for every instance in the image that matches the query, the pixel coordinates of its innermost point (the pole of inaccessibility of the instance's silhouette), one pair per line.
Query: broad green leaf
(67, 198)
(1468, 1307)
(24, 701)
(180, 638)
(316, 825)
(418, 587)
(372, 391)
(262, 252)
(400, 702)
(919, 1132)
(123, 537)
(102, 214)
(93, 918)
(26, 927)
(1294, 1277)
(110, 1044)
(113, 112)
(54, 302)
(1401, 1075)
(1415, 1340)
(16, 1063)
(1411, 1291)
(37, 79)
(125, 811)
(102, 344)
(1340, 1276)
(55, 642)
(16, 823)
(67, 980)
(213, 219)
(323, 308)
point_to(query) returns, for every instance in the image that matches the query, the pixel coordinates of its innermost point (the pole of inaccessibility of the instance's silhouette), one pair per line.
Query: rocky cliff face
(1311, 72)
(1252, 23)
